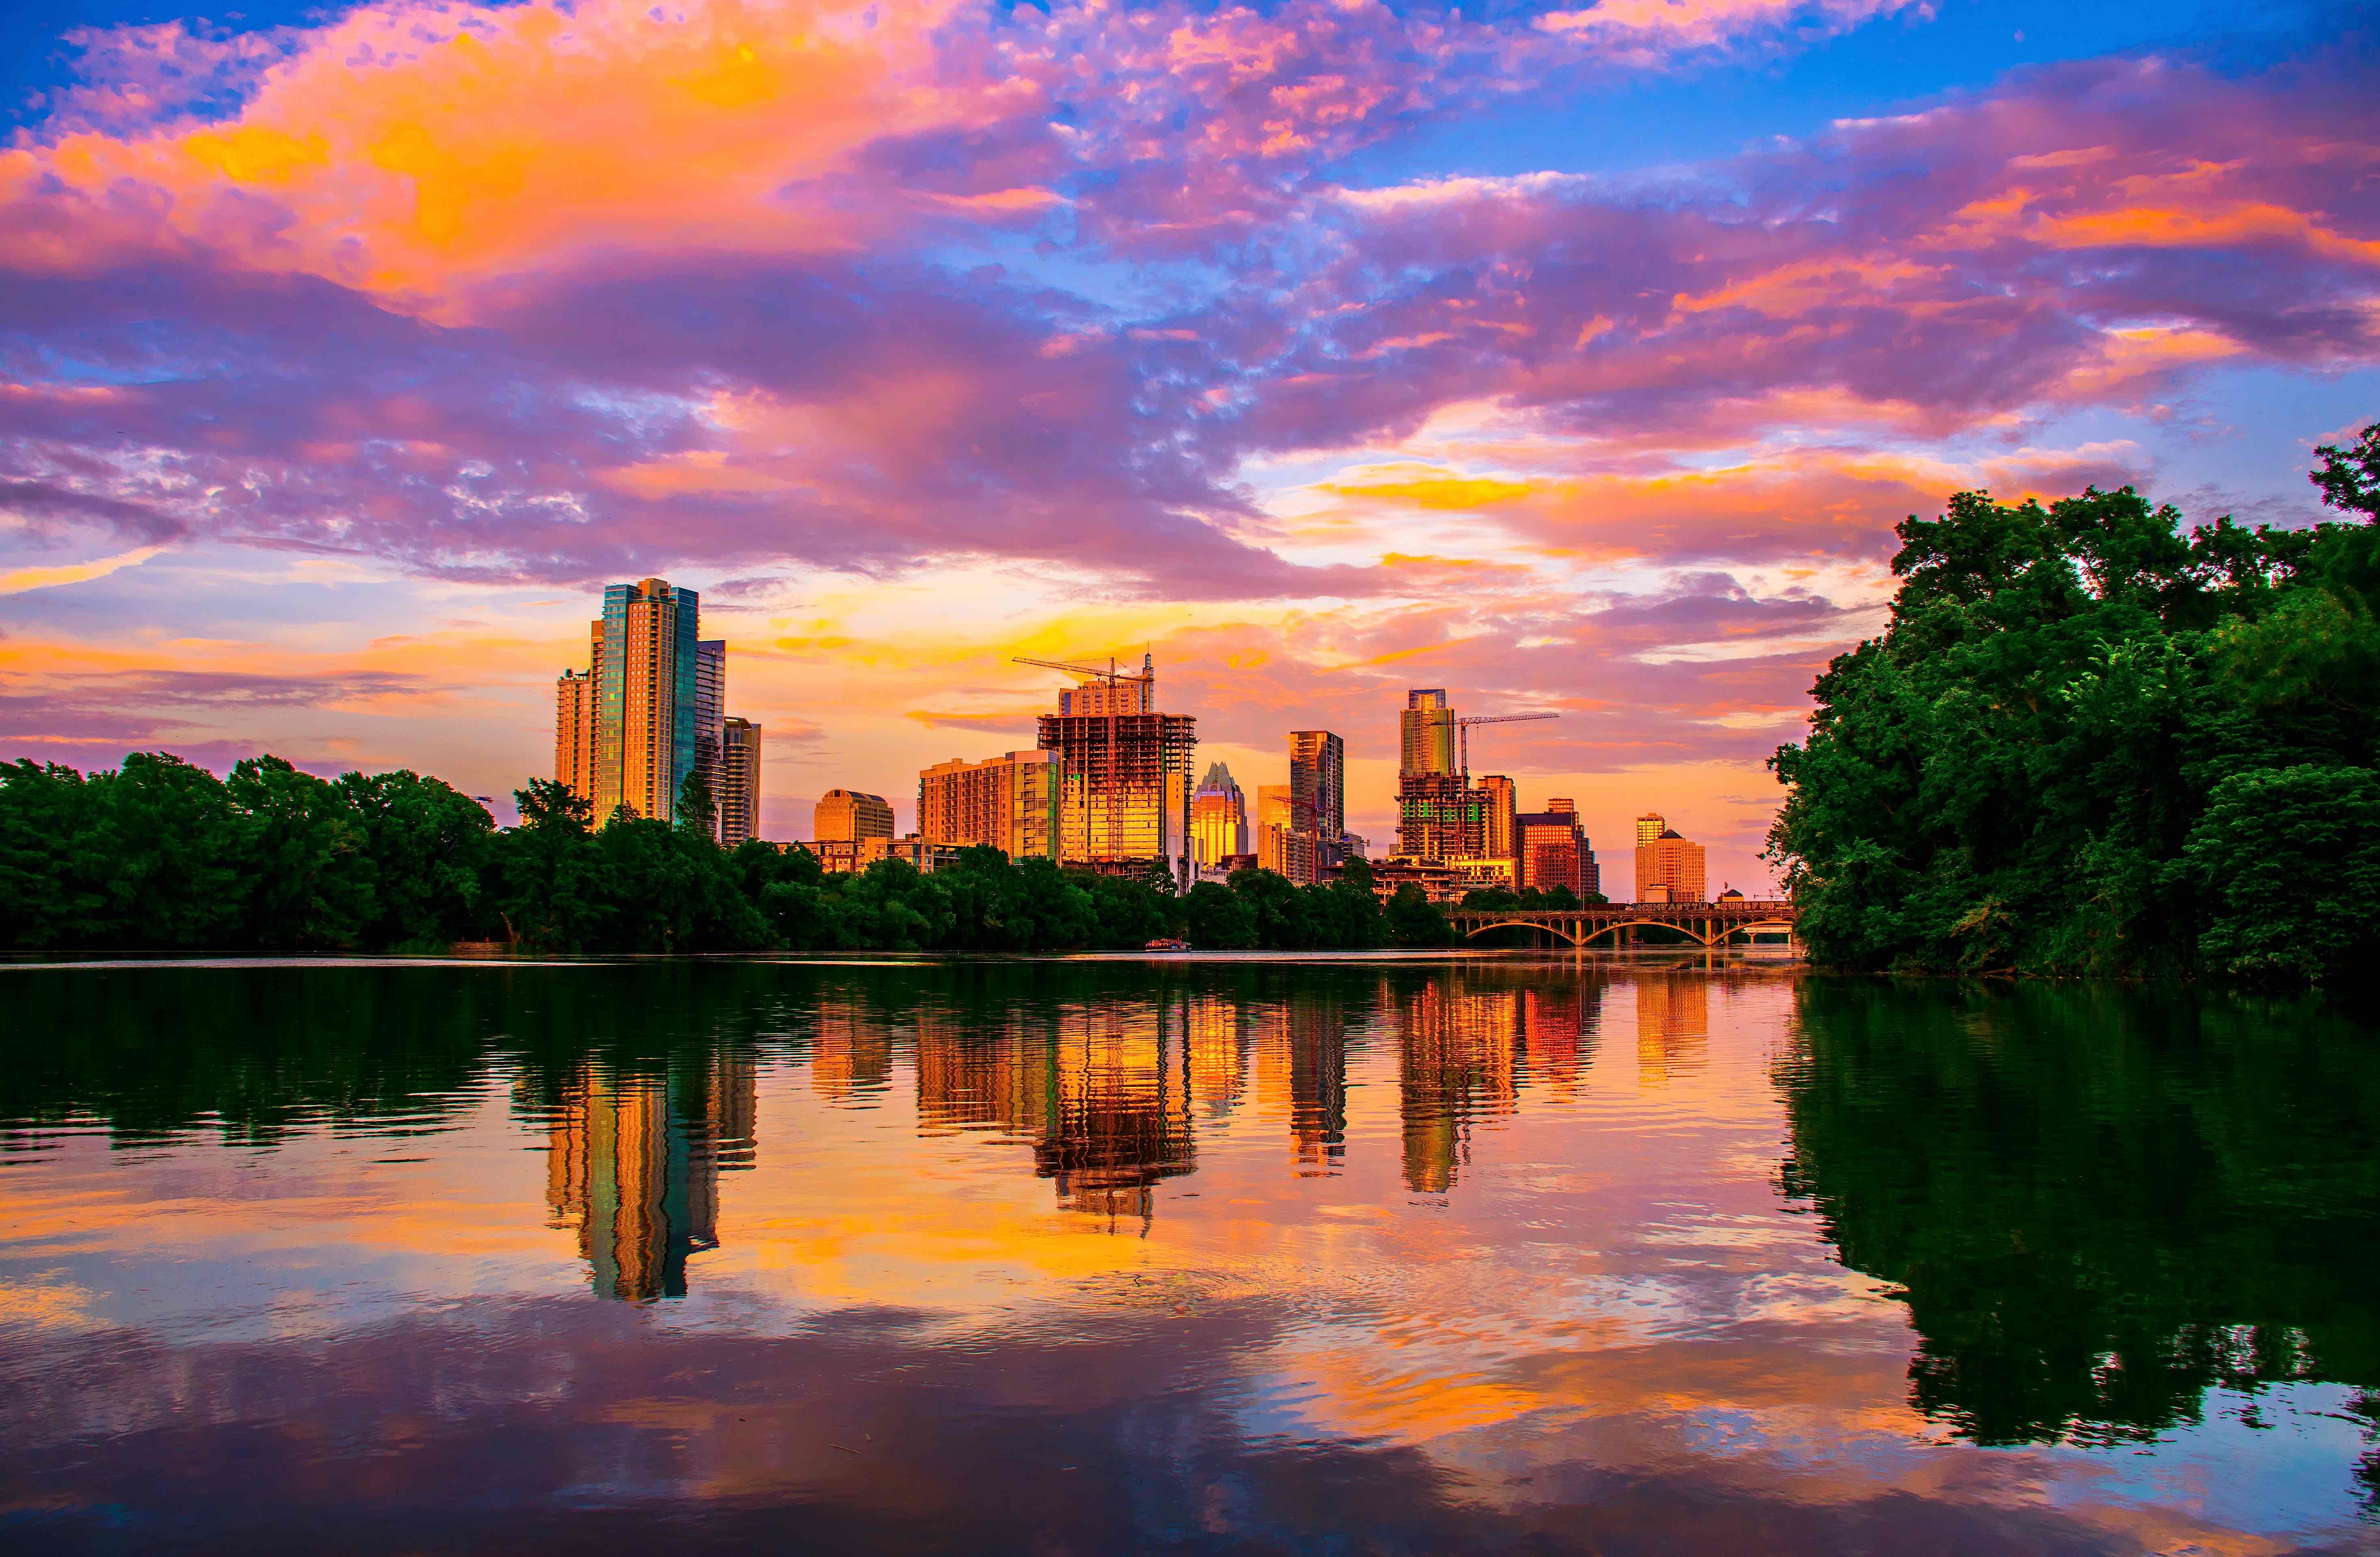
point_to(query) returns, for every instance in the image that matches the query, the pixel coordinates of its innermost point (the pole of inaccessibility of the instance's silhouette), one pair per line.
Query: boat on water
(1166, 943)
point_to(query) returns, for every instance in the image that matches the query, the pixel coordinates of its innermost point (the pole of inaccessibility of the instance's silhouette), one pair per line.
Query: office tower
(1008, 803)
(1124, 773)
(1499, 805)
(710, 710)
(739, 781)
(1285, 837)
(1668, 862)
(1590, 874)
(847, 816)
(1219, 819)
(574, 733)
(1649, 827)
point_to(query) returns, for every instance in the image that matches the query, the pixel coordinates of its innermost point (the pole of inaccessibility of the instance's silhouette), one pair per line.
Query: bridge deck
(1709, 923)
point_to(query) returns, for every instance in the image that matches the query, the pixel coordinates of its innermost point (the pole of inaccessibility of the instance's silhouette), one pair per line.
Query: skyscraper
(1438, 814)
(1427, 728)
(709, 712)
(1499, 803)
(1124, 773)
(645, 734)
(1285, 836)
(650, 709)
(1318, 784)
(739, 781)
(1219, 819)
(574, 733)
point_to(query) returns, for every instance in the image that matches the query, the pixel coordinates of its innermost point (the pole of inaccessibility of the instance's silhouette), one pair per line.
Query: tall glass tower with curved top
(647, 712)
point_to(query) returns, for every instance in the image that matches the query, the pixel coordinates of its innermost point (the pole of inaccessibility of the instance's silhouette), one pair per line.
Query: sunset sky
(1572, 359)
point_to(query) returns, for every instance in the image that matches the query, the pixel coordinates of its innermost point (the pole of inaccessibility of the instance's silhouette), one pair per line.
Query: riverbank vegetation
(162, 854)
(2085, 744)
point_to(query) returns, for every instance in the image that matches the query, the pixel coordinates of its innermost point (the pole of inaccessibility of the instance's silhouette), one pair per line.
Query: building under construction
(1121, 770)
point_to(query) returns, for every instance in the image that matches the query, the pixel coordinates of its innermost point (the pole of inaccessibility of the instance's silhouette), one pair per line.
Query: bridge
(1707, 924)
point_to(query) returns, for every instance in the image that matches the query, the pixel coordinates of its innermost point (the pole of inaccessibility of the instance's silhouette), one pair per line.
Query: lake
(1526, 1252)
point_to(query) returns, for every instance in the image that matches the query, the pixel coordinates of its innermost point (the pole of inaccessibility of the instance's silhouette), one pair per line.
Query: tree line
(2085, 744)
(162, 854)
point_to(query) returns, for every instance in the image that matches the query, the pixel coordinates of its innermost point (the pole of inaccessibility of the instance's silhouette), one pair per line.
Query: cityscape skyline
(340, 373)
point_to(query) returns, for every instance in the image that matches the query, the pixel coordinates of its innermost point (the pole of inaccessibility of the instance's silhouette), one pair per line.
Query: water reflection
(1245, 1253)
(633, 1163)
(2099, 1205)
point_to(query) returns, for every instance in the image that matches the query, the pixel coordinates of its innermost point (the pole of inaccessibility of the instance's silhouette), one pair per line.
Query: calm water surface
(1073, 1257)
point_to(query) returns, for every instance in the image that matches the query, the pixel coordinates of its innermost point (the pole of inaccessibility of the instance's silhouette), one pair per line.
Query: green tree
(2009, 776)
(1216, 918)
(51, 876)
(430, 846)
(309, 871)
(2287, 862)
(1413, 920)
(697, 812)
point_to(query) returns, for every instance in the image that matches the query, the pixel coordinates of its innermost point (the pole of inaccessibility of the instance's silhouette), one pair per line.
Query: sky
(1575, 360)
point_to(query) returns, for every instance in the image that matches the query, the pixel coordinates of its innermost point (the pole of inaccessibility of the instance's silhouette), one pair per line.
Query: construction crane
(1110, 676)
(1113, 677)
(1463, 730)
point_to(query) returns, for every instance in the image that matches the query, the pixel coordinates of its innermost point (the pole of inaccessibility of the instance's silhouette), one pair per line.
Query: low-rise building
(851, 815)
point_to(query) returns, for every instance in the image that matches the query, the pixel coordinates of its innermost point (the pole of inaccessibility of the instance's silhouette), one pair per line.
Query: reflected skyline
(409, 1257)
(633, 1163)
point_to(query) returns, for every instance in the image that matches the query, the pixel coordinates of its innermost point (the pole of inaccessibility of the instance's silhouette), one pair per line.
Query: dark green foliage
(2097, 1202)
(2023, 773)
(160, 854)
(1413, 920)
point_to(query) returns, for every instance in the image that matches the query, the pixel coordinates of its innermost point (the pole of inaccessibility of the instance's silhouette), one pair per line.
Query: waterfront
(1552, 1252)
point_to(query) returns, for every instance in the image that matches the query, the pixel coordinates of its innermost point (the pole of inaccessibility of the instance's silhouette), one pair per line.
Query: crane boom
(1462, 731)
(1110, 674)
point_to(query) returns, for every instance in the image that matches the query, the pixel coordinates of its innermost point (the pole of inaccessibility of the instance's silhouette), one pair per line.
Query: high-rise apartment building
(1499, 803)
(1219, 819)
(1123, 773)
(710, 710)
(1318, 782)
(574, 733)
(1427, 733)
(1669, 862)
(645, 731)
(650, 709)
(847, 816)
(1286, 841)
(1009, 803)
(1438, 814)
(739, 781)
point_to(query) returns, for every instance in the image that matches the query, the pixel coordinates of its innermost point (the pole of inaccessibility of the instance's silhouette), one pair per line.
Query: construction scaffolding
(1123, 772)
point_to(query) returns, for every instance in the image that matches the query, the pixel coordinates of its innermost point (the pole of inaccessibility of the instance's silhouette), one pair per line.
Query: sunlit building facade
(1123, 769)
(1008, 802)
(650, 709)
(850, 816)
(739, 781)
(1499, 805)
(1667, 862)
(1219, 819)
(1554, 851)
